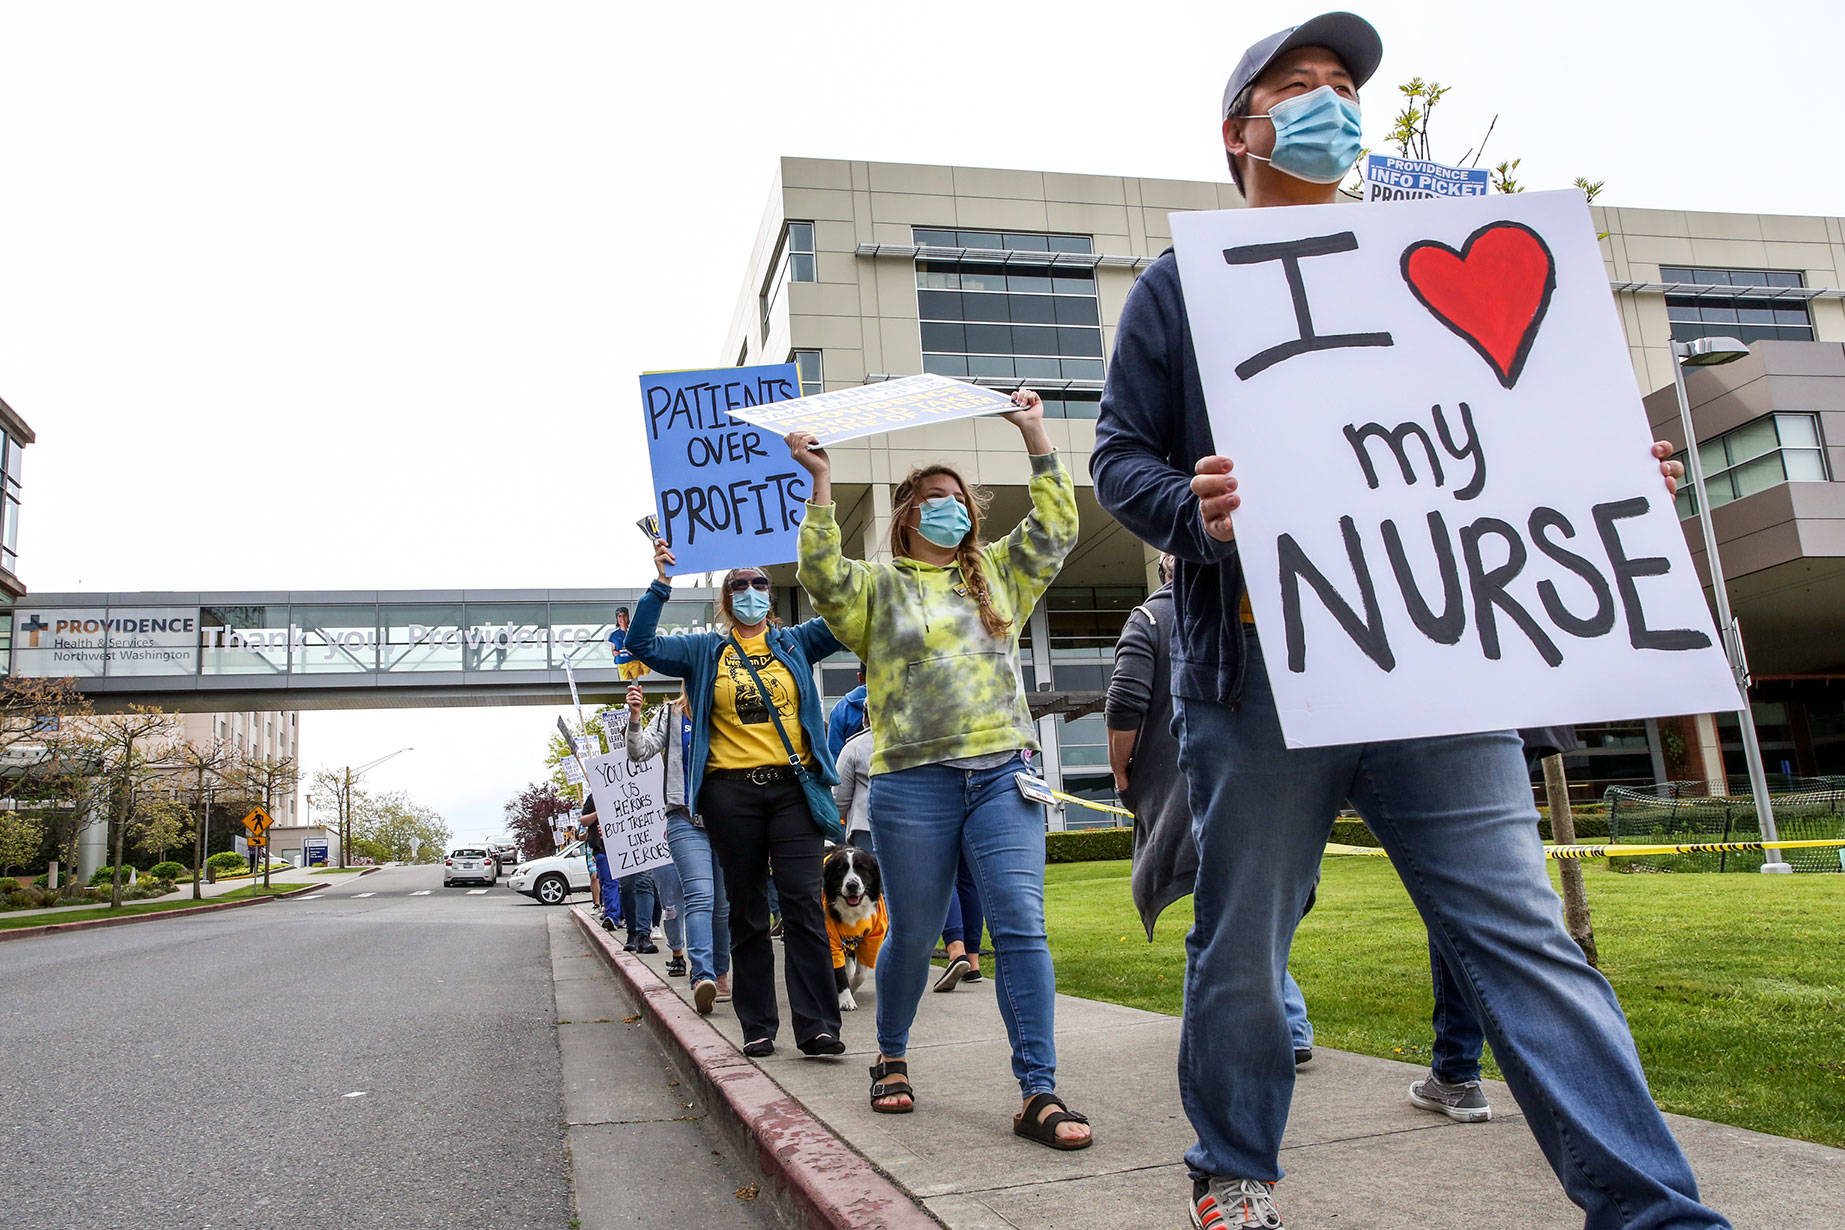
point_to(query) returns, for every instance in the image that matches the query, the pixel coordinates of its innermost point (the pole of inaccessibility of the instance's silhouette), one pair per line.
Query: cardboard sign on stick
(726, 491)
(873, 409)
(631, 806)
(1450, 520)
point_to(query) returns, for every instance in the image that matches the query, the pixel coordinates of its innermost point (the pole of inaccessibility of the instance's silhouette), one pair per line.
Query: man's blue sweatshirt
(1151, 434)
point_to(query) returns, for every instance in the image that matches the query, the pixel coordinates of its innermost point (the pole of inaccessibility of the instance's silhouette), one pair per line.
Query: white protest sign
(631, 807)
(1388, 178)
(573, 771)
(873, 409)
(1450, 518)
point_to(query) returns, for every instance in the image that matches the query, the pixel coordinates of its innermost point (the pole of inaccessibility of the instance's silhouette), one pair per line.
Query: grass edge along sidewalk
(144, 911)
(1733, 985)
(821, 1182)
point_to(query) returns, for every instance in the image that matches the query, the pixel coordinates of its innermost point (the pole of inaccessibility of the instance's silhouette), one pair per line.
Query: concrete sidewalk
(1357, 1154)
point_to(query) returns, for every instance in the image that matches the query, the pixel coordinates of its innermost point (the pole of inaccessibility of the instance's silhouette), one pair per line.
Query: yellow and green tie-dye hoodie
(941, 686)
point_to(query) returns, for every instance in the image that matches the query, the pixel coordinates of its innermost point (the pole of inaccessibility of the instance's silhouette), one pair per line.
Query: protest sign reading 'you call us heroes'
(1450, 518)
(727, 493)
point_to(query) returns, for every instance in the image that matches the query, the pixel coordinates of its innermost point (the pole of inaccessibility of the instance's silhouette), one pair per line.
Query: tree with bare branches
(201, 769)
(264, 779)
(132, 749)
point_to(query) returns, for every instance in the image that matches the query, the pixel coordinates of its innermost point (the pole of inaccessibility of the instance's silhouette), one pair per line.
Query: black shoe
(822, 1044)
(649, 947)
(630, 946)
(759, 1048)
(675, 967)
(1302, 1054)
(775, 929)
(972, 975)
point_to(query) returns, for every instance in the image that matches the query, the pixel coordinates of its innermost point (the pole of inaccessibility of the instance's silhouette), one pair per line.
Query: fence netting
(1810, 809)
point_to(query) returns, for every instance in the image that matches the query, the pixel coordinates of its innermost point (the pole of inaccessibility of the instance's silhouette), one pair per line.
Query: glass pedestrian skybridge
(330, 649)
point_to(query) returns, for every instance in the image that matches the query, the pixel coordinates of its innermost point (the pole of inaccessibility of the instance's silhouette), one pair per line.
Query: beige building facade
(862, 271)
(269, 736)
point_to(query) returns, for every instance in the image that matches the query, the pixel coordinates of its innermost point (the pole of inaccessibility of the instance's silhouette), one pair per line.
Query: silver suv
(470, 863)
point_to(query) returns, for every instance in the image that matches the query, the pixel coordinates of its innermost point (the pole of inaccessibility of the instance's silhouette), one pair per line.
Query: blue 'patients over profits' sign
(1408, 179)
(726, 492)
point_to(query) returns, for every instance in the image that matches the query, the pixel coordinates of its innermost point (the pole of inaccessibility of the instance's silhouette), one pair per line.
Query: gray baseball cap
(1346, 35)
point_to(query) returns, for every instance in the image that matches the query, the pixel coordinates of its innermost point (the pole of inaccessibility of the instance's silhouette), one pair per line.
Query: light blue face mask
(1317, 136)
(750, 607)
(944, 521)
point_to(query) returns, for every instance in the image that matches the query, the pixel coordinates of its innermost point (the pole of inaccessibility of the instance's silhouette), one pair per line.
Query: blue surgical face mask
(944, 521)
(1317, 136)
(750, 607)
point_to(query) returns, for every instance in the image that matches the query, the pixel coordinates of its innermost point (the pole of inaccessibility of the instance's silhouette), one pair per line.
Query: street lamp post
(1711, 352)
(345, 817)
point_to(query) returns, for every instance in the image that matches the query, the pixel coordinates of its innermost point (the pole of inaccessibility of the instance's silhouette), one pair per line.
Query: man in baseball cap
(1455, 812)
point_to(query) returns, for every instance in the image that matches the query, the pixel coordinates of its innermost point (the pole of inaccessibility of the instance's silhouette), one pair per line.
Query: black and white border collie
(853, 889)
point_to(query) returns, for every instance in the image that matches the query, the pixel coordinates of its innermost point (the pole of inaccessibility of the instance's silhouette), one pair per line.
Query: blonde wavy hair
(908, 498)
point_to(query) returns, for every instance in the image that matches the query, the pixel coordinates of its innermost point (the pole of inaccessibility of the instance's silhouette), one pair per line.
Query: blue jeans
(1459, 1035)
(707, 909)
(611, 891)
(669, 893)
(925, 819)
(637, 906)
(1456, 817)
(966, 921)
(1294, 1007)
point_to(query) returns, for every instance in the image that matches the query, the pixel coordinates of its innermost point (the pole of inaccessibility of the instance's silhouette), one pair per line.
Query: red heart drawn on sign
(1492, 293)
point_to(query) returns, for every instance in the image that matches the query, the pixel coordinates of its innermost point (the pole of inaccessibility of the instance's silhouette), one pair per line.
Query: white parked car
(550, 880)
(470, 863)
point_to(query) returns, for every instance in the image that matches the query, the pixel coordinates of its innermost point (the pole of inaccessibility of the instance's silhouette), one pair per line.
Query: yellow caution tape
(1622, 851)
(1070, 798)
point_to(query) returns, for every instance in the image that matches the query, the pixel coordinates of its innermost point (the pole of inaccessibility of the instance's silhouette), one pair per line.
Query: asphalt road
(361, 1057)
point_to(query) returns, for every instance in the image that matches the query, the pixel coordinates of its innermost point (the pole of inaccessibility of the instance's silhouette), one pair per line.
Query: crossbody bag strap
(767, 701)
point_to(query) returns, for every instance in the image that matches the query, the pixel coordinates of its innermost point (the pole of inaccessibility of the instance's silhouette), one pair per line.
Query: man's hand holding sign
(1478, 515)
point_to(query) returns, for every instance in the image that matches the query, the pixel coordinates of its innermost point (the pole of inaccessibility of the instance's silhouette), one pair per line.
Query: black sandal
(1044, 1131)
(885, 1088)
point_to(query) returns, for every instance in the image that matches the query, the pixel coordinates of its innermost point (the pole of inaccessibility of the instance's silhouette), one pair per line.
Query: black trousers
(749, 825)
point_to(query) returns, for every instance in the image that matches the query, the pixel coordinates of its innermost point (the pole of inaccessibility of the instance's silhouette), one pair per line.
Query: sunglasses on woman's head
(739, 584)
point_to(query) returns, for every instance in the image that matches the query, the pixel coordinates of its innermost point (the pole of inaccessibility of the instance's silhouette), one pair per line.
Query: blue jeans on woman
(925, 819)
(1459, 1035)
(611, 890)
(669, 895)
(707, 908)
(1455, 815)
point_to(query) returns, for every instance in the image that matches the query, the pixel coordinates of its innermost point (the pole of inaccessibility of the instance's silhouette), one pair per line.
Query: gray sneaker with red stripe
(1224, 1204)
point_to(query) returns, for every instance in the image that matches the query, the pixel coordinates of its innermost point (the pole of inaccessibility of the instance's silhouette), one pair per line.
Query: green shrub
(168, 871)
(1351, 831)
(1088, 845)
(227, 863)
(106, 875)
(31, 899)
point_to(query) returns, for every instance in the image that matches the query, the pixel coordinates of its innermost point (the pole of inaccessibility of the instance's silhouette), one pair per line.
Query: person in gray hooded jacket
(707, 907)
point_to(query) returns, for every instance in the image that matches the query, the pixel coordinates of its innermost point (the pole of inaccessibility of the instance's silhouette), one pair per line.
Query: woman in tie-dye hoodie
(938, 630)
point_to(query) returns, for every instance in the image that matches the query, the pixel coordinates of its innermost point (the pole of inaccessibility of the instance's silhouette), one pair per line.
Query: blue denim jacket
(693, 657)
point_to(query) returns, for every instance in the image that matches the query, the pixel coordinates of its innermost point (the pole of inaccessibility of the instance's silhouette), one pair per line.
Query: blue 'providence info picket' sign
(726, 492)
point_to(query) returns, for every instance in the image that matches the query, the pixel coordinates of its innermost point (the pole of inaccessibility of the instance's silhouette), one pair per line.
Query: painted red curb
(829, 1184)
(24, 933)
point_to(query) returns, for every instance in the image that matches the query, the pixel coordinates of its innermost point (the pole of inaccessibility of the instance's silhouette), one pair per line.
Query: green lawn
(340, 871)
(1734, 984)
(257, 890)
(137, 907)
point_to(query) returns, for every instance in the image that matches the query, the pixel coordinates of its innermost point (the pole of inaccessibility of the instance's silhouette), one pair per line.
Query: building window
(10, 457)
(1774, 449)
(1015, 320)
(794, 262)
(1753, 315)
(807, 362)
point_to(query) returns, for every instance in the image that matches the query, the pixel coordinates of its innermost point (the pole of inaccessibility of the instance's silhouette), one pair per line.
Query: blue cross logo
(35, 625)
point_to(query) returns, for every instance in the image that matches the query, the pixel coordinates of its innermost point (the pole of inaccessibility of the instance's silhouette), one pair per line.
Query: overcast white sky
(353, 295)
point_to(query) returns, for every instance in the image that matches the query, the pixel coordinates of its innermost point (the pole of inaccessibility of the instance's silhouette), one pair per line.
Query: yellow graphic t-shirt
(742, 733)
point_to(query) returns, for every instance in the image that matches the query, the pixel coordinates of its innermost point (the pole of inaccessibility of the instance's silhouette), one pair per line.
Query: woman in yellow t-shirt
(753, 805)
